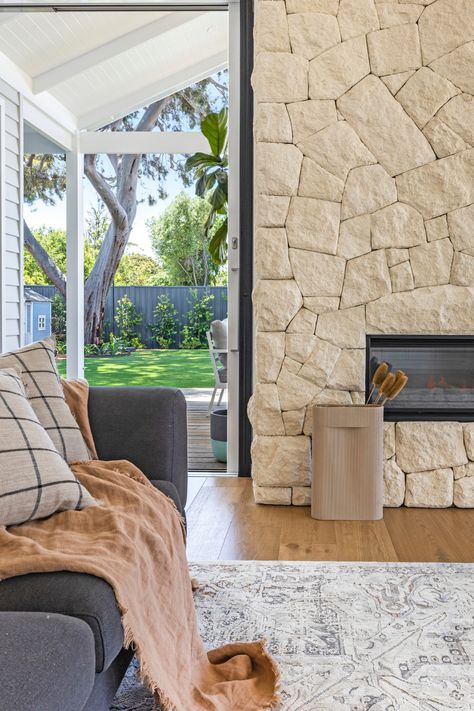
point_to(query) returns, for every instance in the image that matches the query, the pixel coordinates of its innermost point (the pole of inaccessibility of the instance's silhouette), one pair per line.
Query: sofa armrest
(47, 662)
(147, 426)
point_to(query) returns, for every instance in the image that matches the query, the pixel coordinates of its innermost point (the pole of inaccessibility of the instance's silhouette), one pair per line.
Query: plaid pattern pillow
(37, 366)
(35, 481)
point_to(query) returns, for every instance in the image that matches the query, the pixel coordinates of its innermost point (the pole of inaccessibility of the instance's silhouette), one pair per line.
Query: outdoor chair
(217, 341)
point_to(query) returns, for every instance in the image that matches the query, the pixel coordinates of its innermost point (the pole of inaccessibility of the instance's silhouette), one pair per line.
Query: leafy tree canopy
(54, 242)
(180, 242)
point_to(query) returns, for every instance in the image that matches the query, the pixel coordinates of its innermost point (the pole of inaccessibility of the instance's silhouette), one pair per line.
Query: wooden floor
(200, 456)
(225, 524)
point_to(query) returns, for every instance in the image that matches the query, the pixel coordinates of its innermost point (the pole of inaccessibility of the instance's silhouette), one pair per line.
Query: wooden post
(75, 265)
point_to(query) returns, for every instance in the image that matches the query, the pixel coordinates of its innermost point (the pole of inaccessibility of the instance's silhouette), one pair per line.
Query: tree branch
(107, 195)
(44, 261)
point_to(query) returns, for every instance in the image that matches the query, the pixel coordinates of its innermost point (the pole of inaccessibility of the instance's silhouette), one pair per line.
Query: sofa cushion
(169, 489)
(35, 481)
(84, 596)
(37, 366)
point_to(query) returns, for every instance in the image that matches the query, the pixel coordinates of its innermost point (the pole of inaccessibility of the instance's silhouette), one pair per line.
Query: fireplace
(440, 371)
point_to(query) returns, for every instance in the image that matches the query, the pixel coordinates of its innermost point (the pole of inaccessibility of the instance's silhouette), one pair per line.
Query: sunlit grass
(179, 369)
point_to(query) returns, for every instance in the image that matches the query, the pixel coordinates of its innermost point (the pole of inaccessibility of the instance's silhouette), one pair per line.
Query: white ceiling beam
(7, 16)
(62, 72)
(125, 104)
(142, 142)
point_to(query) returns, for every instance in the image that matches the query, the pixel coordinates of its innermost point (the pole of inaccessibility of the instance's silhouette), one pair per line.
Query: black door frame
(246, 235)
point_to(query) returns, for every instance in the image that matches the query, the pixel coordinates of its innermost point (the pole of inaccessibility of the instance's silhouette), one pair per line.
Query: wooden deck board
(200, 456)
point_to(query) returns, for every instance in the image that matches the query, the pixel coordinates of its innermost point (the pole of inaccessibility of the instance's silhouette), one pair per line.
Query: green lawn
(179, 369)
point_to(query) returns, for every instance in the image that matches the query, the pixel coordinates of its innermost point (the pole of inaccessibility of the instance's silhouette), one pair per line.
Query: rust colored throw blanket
(134, 541)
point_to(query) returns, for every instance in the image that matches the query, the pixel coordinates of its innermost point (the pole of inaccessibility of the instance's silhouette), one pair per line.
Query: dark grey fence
(145, 299)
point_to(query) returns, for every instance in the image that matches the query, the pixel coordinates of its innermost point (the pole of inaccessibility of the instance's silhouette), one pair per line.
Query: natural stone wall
(364, 131)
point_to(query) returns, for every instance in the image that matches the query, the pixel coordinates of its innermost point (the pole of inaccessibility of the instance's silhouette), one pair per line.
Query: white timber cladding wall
(364, 129)
(12, 234)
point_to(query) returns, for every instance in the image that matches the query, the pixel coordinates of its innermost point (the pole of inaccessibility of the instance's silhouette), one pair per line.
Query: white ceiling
(102, 65)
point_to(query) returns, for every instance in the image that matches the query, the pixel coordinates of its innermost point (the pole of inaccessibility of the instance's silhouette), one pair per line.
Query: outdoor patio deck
(200, 456)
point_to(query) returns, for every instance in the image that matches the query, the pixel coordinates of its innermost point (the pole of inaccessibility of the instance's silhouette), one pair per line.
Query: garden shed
(37, 316)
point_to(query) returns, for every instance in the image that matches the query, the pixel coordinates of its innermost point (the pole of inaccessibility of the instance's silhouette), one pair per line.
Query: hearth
(440, 371)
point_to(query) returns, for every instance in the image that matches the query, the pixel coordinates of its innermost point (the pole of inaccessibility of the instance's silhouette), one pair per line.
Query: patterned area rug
(347, 637)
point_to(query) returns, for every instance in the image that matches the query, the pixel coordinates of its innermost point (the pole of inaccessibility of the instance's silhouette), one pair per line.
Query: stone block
(437, 228)
(368, 188)
(396, 256)
(458, 114)
(312, 33)
(277, 301)
(272, 123)
(398, 226)
(281, 461)
(357, 398)
(457, 67)
(276, 495)
(328, 6)
(270, 351)
(463, 269)
(350, 152)
(439, 187)
(308, 117)
(291, 366)
(388, 440)
(335, 71)
(313, 224)
(391, 14)
(395, 49)
(367, 278)
(271, 253)
(280, 77)
(354, 237)
(278, 168)
(444, 26)
(301, 496)
(432, 309)
(389, 133)
(345, 328)
(357, 17)
(431, 489)
(393, 484)
(464, 493)
(349, 371)
(423, 446)
(304, 323)
(271, 27)
(294, 421)
(468, 430)
(271, 210)
(401, 277)
(461, 228)
(464, 470)
(443, 140)
(317, 274)
(264, 410)
(295, 391)
(320, 364)
(431, 263)
(315, 182)
(299, 346)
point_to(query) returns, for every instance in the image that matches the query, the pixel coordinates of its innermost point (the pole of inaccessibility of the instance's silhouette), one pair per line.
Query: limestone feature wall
(364, 129)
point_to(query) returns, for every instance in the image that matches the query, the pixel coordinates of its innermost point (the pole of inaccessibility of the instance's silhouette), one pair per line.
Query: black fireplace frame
(410, 414)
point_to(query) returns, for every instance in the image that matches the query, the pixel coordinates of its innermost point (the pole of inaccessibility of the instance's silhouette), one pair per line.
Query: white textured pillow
(35, 481)
(37, 366)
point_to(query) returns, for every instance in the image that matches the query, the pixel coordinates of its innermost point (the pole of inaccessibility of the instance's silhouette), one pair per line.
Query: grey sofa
(61, 636)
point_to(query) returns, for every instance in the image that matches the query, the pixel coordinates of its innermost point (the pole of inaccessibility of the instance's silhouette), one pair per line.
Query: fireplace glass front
(440, 373)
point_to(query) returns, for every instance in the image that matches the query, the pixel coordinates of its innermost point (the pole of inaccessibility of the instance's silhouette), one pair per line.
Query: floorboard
(224, 523)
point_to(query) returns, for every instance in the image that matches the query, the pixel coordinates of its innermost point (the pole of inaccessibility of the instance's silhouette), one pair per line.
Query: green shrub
(127, 318)
(61, 347)
(58, 317)
(164, 327)
(193, 334)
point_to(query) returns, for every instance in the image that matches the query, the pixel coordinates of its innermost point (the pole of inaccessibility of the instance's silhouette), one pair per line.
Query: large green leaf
(200, 161)
(215, 128)
(218, 244)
